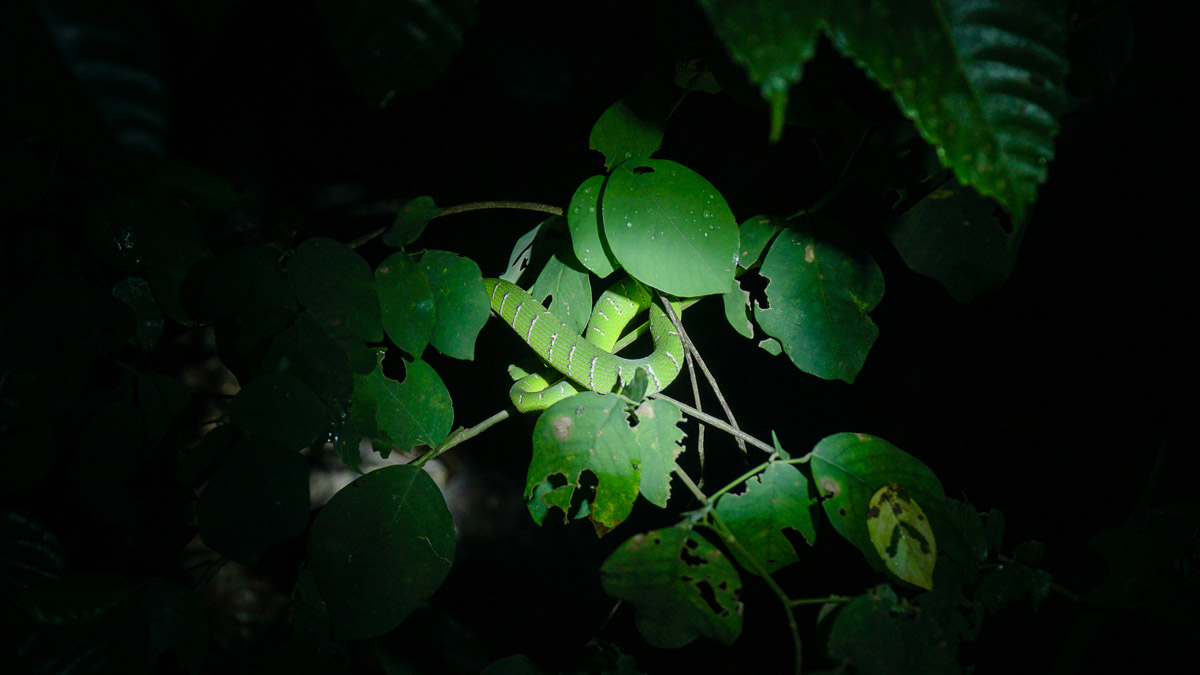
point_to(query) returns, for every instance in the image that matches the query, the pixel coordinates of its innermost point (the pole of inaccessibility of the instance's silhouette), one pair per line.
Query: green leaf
(902, 536)
(754, 235)
(776, 501)
(850, 468)
(591, 248)
(195, 185)
(588, 432)
(772, 40)
(256, 498)
(569, 286)
(461, 305)
(411, 220)
(397, 48)
(820, 290)
(380, 548)
(867, 632)
(670, 228)
(148, 319)
(282, 408)
(737, 310)
(983, 81)
(682, 587)
(407, 305)
(405, 414)
(335, 283)
(73, 599)
(954, 236)
(306, 352)
(632, 128)
(661, 441)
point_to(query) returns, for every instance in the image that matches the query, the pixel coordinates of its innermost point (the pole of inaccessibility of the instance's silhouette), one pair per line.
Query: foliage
(333, 343)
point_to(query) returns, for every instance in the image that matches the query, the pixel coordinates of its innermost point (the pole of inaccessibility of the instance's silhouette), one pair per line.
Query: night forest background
(1056, 398)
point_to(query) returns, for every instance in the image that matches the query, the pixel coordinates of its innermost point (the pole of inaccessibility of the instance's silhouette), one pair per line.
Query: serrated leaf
(588, 432)
(661, 440)
(462, 307)
(379, 549)
(335, 283)
(411, 220)
(775, 501)
(656, 211)
(955, 237)
(682, 587)
(256, 498)
(282, 408)
(901, 534)
(772, 40)
(587, 240)
(820, 288)
(848, 470)
(569, 287)
(983, 81)
(408, 309)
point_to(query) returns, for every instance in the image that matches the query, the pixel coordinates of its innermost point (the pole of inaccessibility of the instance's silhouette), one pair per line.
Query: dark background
(1048, 398)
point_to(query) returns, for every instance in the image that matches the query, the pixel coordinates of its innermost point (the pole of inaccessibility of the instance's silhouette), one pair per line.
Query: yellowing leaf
(902, 536)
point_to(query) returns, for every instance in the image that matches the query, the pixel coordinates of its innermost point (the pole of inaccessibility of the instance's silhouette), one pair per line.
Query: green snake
(588, 362)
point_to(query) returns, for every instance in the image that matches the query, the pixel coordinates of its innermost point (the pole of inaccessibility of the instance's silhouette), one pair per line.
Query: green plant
(316, 335)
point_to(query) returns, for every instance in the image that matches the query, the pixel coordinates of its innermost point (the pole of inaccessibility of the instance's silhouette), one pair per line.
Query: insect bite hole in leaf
(643, 170)
(709, 596)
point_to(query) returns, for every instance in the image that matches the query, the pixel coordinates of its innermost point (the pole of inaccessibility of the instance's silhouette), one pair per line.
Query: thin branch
(472, 206)
(712, 381)
(691, 367)
(716, 422)
(461, 435)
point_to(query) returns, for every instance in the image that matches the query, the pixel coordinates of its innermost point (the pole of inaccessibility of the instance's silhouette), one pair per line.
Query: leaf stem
(716, 422)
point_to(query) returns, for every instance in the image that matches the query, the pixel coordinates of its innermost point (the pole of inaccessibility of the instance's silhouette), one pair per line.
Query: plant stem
(821, 601)
(471, 206)
(712, 381)
(716, 422)
(460, 435)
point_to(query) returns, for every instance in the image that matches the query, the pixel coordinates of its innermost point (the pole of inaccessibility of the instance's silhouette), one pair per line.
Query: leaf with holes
(586, 436)
(774, 502)
(661, 440)
(403, 414)
(682, 587)
(656, 211)
(820, 288)
(902, 536)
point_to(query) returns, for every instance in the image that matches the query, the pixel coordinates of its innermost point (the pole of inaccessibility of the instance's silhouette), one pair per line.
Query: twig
(459, 436)
(472, 206)
(712, 381)
(716, 422)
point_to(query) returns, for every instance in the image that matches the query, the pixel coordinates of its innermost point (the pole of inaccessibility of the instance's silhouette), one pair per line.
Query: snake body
(587, 362)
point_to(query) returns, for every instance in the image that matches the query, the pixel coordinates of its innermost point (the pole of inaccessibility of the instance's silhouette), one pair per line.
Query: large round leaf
(670, 228)
(379, 549)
